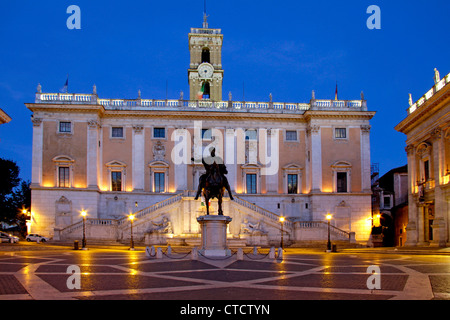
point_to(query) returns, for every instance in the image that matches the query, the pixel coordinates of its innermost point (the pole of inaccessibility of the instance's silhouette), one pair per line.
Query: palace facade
(113, 157)
(427, 129)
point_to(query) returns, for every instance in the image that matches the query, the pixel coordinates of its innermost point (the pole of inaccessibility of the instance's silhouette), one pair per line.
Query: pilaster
(316, 158)
(92, 154)
(138, 165)
(38, 135)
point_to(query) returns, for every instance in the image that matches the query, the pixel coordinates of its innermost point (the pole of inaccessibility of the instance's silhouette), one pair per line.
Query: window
(65, 127)
(116, 180)
(117, 132)
(63, 171)
(206, 55)
(159, 133)
(387, 202)
(159, 174)
(340, 133)
(291, 135)
(207, 92)
(251, 183)
(426, 168)
(63, 177)
(341, 181)
(292, 183)
(206, 134)
(159, 182)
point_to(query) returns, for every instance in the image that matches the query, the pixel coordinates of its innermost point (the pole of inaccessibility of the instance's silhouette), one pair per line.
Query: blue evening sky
(287, 48)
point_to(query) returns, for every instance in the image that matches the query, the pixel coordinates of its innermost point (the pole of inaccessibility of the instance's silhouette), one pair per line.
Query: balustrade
(150, 104)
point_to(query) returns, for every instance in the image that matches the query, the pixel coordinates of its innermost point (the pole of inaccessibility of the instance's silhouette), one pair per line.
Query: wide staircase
(297, 233)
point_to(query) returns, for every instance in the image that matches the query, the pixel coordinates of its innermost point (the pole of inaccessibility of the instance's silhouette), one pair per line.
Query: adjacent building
(4, 118)
(427, 128)
(114, 157)
(389, 198)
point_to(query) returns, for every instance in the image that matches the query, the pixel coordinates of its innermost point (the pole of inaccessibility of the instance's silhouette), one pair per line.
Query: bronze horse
(214, 187)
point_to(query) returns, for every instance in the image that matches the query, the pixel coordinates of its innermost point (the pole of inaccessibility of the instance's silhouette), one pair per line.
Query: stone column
(365, 158)
(92, 154)
(440, 205)
(138, 162)
(38, 135)
(316, 158)
(180, 157)
(412, 235)
(271, 177)
(230, 157)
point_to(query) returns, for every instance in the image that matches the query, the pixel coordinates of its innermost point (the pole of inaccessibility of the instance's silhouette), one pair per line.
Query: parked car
(7, 237)
(36, 237)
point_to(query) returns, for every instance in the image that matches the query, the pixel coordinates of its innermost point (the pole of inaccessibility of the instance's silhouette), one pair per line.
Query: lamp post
(27, 213)
(131, 218)
(328, 217)
(83, 242)
(281, 221)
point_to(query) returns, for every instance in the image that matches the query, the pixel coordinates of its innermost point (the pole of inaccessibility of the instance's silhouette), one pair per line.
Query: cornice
(425, 111)
(60, 108)
(313, 114)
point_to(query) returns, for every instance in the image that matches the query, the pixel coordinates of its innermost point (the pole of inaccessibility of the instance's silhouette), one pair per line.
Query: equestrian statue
(213, 182)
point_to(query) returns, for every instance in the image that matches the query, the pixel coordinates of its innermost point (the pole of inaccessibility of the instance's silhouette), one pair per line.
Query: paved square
(117, 273)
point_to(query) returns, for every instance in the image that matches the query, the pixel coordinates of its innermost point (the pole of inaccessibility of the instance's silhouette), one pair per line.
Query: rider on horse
(208, 163)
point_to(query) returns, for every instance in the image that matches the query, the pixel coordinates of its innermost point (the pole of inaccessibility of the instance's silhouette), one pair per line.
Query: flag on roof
(66, 86)
(336, 93)
(201, 92)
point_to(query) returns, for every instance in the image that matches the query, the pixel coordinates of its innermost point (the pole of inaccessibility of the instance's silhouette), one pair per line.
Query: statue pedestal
(214, 235)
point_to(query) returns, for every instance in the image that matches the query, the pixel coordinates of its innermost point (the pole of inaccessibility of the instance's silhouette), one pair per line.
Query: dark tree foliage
(15, 195)
(9, 177)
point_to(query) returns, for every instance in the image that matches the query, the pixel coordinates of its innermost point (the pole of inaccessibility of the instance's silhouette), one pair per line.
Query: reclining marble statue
(213, 182)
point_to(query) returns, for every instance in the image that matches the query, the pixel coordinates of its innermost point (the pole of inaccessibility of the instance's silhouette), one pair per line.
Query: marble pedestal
(214, 235)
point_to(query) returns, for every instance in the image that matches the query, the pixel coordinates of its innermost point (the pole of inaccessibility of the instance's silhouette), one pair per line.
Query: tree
(9, 177)
(21, 200)
(9, 180)
(15, 195)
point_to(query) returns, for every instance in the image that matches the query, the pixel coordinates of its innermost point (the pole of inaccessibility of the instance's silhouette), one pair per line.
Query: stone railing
(189, 105)
(153, 208)
(322, 225)
(338, 104)
(262, 211)
(427, 96)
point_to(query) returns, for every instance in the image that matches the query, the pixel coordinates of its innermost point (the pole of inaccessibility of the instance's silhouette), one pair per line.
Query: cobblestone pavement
(114, 274)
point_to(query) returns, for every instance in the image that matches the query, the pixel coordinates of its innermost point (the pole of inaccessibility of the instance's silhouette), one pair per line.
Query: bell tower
(205, 69)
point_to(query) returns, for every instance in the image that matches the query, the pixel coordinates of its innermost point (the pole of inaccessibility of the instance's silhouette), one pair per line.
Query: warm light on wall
(48, 184)
(377, 220)
(446, 179)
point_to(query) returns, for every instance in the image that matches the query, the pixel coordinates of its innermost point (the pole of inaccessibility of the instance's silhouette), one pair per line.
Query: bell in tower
(205, 70)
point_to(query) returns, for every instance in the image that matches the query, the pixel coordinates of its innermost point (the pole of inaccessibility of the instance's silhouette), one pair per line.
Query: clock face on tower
(205, 71)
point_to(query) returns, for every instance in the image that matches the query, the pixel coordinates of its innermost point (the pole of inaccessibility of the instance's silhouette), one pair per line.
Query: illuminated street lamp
(27, 213)
(131, 218)
(281, 221)
(83, 242)
(328, 217)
